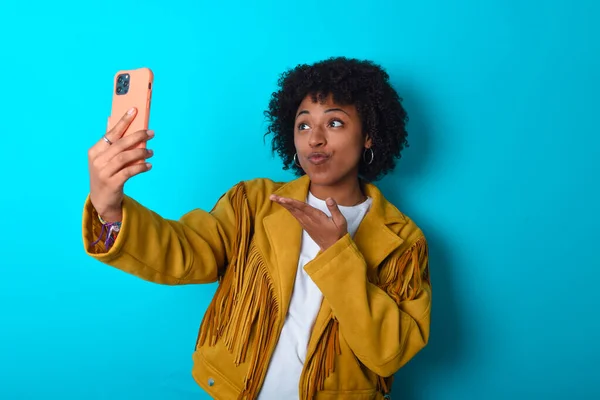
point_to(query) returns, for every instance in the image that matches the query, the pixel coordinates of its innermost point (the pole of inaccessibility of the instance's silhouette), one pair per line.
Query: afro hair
(350, 82)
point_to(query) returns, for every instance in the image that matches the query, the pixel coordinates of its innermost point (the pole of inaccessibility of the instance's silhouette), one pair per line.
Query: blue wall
(502, 174)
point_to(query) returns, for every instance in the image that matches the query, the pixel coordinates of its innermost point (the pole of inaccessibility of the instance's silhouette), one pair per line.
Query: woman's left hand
(325, 231)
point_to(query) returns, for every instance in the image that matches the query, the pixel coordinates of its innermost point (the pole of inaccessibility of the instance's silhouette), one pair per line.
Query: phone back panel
(132, 88)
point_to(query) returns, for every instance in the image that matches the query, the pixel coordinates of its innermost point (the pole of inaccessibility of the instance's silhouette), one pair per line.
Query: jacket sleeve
(386, 324)
(194, 249)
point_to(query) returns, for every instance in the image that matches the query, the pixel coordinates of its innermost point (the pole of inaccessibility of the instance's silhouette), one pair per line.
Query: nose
(317, 138)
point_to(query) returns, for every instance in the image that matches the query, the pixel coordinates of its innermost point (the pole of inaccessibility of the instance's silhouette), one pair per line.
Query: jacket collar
(376, 237)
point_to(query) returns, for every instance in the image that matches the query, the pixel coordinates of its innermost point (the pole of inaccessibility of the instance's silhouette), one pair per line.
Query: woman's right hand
(112, 164)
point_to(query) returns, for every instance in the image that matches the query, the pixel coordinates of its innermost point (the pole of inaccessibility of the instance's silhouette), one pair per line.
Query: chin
(324, 178)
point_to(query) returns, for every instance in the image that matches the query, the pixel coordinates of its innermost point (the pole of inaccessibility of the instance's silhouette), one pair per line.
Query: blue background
(502, 175)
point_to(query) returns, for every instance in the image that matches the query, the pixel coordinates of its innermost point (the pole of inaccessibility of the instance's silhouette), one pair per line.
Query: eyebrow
(326, 111)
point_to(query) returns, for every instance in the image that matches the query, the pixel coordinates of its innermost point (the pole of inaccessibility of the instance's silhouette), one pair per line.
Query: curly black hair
(361, 83)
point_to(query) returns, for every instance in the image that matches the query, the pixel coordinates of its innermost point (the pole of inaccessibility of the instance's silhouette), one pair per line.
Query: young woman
(324, 288)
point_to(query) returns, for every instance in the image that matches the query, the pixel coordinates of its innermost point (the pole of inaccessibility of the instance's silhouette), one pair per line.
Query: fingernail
(150, 152)
(148, 165)
(131, 111)
(150, 133)
(330, 202)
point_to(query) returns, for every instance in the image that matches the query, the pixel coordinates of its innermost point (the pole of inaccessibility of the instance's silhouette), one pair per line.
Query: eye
(336, 123)
(302, 126)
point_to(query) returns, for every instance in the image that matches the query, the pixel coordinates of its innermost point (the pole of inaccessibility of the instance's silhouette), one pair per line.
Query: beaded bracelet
(111, 229)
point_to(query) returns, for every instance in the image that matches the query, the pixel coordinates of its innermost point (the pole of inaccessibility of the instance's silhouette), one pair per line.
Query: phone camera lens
(125, 84)
(120, 80)
(119, 90)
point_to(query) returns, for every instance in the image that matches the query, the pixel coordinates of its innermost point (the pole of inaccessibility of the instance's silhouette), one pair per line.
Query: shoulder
(258, 190)
(253, 188)
(395, 219)
(413, 238)
(259, 186)
(247, 196)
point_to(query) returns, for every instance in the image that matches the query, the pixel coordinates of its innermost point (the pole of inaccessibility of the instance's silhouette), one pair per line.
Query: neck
(345, 193)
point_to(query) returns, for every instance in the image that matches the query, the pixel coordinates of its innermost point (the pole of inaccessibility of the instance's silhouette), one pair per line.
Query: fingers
(122, 145)
(123, 160)
(114, 134)
(119, 129)
(290, 204)
(299, 209)
(336, 215)
(132, 170)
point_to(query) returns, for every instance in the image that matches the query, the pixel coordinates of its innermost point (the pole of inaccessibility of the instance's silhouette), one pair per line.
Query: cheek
(351, 151)
(300, 139)
(298, 142)
(354, 146)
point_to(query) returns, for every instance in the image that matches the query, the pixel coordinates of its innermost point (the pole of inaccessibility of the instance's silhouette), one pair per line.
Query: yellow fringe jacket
(374, 317)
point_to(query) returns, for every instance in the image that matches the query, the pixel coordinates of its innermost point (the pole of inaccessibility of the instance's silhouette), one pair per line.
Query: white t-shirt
(285, 367)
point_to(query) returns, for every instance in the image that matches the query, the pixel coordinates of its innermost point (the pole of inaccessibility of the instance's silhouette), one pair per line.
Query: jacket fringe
(244, 309)
(400, 276)
(322, 363)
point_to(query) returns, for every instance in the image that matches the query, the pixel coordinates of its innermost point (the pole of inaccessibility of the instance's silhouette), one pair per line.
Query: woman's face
(329, 141)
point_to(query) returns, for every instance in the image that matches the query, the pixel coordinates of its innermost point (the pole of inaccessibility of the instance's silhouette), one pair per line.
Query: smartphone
(132, 88)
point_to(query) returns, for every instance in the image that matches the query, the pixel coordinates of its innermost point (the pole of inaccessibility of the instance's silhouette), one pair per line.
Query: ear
(368, 142)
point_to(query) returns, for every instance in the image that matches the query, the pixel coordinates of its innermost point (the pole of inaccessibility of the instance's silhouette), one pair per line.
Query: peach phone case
(138, 95)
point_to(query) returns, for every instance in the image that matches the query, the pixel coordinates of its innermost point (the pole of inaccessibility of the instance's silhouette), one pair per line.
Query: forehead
(323, 104)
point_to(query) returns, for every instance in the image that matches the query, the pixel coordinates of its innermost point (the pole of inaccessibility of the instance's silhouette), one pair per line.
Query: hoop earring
(296, 161)
(370, 158)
